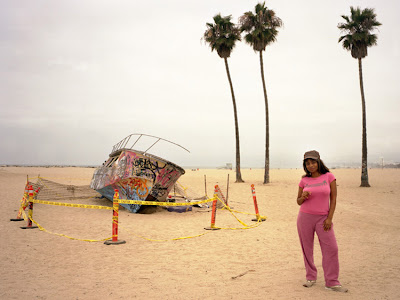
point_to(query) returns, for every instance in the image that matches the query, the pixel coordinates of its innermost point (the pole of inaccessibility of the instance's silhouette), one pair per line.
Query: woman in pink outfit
(317, 200)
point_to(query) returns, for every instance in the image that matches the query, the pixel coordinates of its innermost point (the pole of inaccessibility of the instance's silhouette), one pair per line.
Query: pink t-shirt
(318, 202)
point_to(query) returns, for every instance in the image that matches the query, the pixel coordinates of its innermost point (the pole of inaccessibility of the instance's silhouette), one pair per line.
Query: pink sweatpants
(307, 225)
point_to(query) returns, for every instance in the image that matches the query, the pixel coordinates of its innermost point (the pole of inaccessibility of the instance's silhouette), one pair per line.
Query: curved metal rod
(142, 134)
(135, 141)
(152, 145)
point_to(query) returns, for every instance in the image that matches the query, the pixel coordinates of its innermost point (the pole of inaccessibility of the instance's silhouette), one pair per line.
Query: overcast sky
(76, 77)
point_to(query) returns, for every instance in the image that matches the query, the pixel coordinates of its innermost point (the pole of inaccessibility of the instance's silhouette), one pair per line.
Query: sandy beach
(258, 263)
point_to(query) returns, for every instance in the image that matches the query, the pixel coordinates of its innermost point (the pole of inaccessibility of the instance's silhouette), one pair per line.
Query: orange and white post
(23, 205)
(214, 211)
(259, 218)
(114, 240)
(30, 212)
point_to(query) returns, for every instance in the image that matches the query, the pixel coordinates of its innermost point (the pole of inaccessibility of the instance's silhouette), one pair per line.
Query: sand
(259, 263)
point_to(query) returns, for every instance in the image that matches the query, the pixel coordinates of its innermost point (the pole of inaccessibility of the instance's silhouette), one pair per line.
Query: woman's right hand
(305, 195)
(302, 196)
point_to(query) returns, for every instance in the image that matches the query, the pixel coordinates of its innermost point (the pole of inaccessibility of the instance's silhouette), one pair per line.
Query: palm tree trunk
(364, 164)
(266, 172)
(238, 173)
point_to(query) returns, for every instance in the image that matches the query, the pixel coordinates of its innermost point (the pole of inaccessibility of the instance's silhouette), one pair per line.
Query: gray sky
(76, 77)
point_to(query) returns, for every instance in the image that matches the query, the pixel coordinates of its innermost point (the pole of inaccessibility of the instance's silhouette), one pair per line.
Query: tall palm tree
(261, 30)
(222, 36)
(357, 39)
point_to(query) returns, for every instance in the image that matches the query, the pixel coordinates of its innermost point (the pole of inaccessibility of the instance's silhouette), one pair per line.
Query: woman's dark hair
(322, 169)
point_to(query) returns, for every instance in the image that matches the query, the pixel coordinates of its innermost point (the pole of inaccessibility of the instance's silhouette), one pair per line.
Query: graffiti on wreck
(113, 174)
(121, 167)
(127, 193)
(158, 175)
(135, 187)
(137, 165)
(102, 177)
(159, 192)
(167, 176)
(136, 176)
(147, 167)
(165, 181)
(147, 164)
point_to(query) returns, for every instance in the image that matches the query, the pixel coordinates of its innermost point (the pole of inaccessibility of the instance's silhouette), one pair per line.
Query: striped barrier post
(114, 240)
(23, 205)
(259, 218)
(36, 192)
(214, 211)
(30, 213)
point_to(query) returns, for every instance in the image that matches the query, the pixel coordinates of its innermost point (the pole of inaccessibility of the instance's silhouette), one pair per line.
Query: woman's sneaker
(309, 283)
(337, 288)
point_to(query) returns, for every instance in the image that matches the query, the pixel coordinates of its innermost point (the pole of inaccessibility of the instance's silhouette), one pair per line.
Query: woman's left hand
(327, 224)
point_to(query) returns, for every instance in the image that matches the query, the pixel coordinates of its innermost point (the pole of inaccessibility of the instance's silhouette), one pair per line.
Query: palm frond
(260, 26)
(222, 35)
(358, 28)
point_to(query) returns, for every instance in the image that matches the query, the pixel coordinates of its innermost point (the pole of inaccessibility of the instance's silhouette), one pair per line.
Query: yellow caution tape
(227, 207)
(123, 201)
(69, 237)
(165, 240)
(72, 204)
(24, 215)
(245, 226)
(174, 239)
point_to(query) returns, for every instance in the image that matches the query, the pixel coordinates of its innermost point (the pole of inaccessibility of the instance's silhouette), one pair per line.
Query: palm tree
(222, 36)
(261, 30)
(358, 38)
